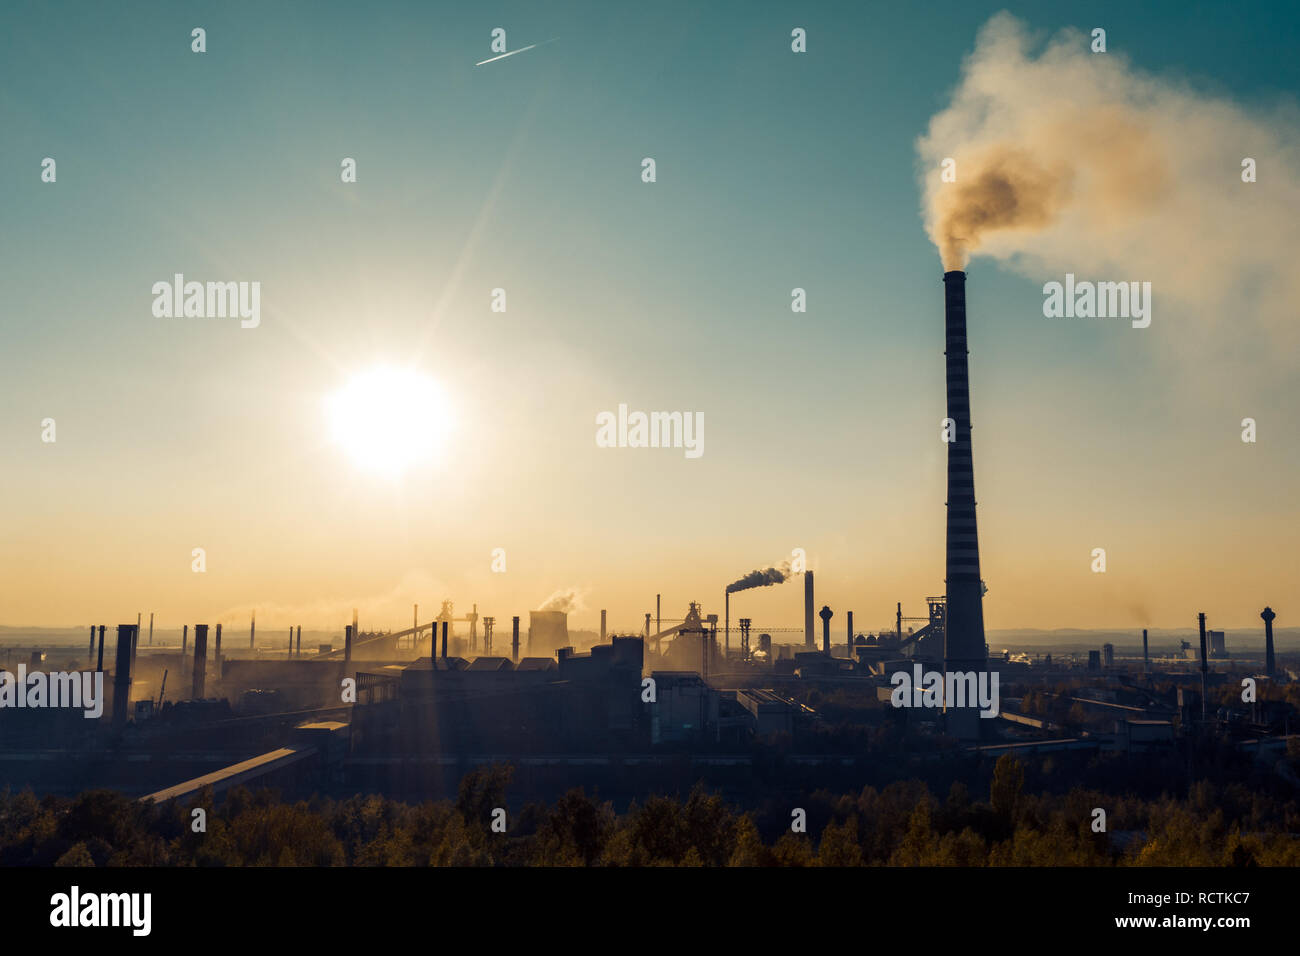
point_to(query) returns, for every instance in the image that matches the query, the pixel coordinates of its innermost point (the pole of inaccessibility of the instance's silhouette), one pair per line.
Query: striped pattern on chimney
(964, 648)
(963, 543)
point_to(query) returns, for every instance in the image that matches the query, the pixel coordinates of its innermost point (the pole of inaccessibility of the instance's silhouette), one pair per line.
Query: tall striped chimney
(964, 628)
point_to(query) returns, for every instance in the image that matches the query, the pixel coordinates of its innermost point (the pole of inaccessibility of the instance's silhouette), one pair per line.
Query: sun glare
(389, 419)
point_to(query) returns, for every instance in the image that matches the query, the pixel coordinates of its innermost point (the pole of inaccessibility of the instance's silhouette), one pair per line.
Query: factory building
(771, 713)
(685, 707)
(578, 702)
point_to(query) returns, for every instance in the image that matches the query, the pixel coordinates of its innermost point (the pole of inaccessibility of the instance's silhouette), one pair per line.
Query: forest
(902, 823)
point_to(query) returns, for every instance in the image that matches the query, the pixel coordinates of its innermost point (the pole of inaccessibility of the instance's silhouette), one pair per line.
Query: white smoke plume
(1074, 161)
(567, 600)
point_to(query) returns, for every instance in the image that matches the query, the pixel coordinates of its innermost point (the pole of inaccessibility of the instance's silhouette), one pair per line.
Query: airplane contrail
(522, 49)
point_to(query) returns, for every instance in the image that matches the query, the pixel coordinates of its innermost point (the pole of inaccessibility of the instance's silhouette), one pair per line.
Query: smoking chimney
(200, 660)
(347, 643)
(444, 639)
(809, 638)
(252, 630)
(964, 629)
(298, 653)
(726, 622)
(514, 640)
(122, 673)
(1145, 657)
(1267, 614)
(850, 644)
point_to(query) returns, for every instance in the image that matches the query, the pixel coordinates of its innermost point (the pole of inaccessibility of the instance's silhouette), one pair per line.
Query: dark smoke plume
(763, 578)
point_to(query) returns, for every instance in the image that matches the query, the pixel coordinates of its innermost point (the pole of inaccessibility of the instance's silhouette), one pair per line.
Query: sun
(390, 419)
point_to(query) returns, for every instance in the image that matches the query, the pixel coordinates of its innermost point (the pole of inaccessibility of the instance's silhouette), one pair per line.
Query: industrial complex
(406, 711)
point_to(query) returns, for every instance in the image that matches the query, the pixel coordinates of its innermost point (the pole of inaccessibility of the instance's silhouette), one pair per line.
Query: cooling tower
(964, 631)
(547, 632)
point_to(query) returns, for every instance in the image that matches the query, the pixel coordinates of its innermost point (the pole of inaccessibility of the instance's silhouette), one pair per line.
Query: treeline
(903, 824)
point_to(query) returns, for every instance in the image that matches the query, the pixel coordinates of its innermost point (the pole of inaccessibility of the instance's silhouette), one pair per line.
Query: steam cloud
(763, 578)
(567, 600)
(1076, 162)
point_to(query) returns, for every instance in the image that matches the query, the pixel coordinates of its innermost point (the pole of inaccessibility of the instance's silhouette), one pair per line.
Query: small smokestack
(135, 642)
(151, 628)
(647, 625)
(850, 644)
(347, 643)
(514, 639)
(1269, 662)
(602, 625)
(100, 665)
(726, 622)
(898, 623)
(252, 630)
(200, 660)
(122, 673)
(216, 654)
(444, 639)
(1205, 666)
(809, 609)
(298, 652)
(659, 626)
(1146, 659)
(90, 654)
(826, 614)
(291, 642)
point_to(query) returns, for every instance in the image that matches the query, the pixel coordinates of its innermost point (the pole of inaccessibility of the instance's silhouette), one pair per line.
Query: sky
(775, 170)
